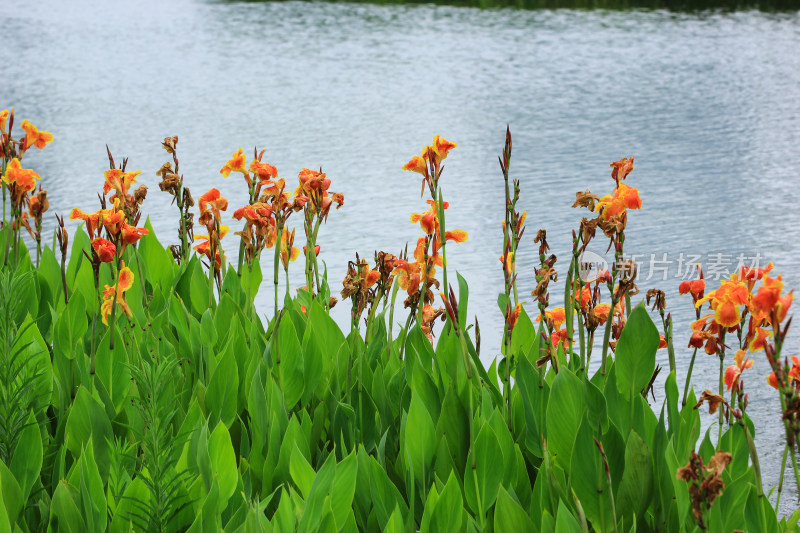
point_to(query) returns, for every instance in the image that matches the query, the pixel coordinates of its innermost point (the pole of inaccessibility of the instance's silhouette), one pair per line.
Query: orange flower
(408, 275)
(23, 179)
(442, 147)
(759, 339)
(104, 249)
(235, 164)
(513, 317)
(725, 302)
(213, 199)
(417, 164)
(582, 297)
(508, 263)
(601, 312)
(733, 372)
(695, 287)
(768, 298)
(112, 220)
(92, 220)
(559, 337)
(624, 198)
(124, 283)
(751, 275)
(132, 234)
(288, 252)
(3, 118)
(204, 248)
(557, 316)
(34, 137)
(622, 168)
(264, 171)
(119, 181)
(662, 342)
(312, 181)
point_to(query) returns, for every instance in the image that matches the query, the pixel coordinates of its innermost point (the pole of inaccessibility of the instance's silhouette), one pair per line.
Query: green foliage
(199, 418)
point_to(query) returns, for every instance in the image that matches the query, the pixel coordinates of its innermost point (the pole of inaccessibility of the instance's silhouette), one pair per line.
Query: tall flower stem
(721, 378)
(276, 263)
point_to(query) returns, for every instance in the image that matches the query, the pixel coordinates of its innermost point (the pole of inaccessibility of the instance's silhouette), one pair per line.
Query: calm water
(709, 103)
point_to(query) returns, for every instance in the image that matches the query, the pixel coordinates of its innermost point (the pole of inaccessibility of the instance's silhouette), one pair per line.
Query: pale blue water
(708, 103)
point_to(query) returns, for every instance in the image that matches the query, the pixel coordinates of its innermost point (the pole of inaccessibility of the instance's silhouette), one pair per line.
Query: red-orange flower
(733, 372)
(264, 171)
(3, 118)
(622, 168)
(214, 200)
(23, 179)
(92, 220)
(204, 248)
(288, 251)
(442, 147)
(725, 302)
(119, 181)
(624, 198)
(34, 137)
(508, 262)
(557, 315)
(132, 234)
(104, 249)
(235, 164)
(124, 283)
(417, 164)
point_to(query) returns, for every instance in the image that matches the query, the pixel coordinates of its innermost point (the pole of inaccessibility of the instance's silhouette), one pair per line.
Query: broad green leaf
(11, 493)
(636, 488)
(288, 358)
(64, 511)
(636, 353)
(344, 488)
(223, 462)
(509, 516)
(301, 472)
(112, 370)
(420, 439)
(449, 509)
(87, 420)
(564, 412)
(26, 463)
(93, 498)
(222, 393)
(484, 471)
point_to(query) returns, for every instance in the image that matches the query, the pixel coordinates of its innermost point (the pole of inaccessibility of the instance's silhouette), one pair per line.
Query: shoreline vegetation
(679, 6)
(141, 391)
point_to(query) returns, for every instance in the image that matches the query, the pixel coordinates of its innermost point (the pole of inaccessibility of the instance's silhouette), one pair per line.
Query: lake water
(708, 103)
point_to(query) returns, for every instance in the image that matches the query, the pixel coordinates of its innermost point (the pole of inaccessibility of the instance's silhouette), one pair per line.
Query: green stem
(780, 481)
(688, 379)
(754, 458)
(277, 260)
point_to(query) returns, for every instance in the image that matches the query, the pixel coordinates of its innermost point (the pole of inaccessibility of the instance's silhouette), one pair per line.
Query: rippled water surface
(708, 103)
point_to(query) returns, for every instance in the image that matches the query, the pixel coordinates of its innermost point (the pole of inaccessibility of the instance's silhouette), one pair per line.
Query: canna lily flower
(34, 137)
(725, 302)
(582, 297)
(767, 298)
(662, 342)
(557, 316)
(119, 181)
(92, 220)
(442, 147)
(3, 118)
(751, 275)
(235, 164)
(23, 179)
(288, 252)
(417, 164)
(694, 287)
(204, 248)
(132, 234)
(112, 220)
(759, 339)
(601, 312)
(624, 198)
(214, 200)
(733, 372)
(512, 318)
(508, 262)
(104, 249)
(117, 291)
(456, 235)
(622, 168)
(264, 171)
(407, 275)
